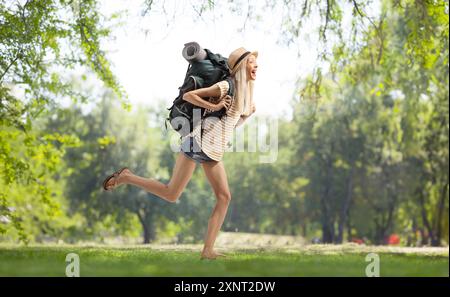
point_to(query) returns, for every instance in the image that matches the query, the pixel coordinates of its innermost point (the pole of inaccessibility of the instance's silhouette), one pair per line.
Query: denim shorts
(187, 147)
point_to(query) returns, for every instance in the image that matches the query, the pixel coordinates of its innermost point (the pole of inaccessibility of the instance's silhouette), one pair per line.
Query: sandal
(114, 175)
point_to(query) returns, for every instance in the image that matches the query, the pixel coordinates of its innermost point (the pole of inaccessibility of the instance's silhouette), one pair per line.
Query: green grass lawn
(145, 261)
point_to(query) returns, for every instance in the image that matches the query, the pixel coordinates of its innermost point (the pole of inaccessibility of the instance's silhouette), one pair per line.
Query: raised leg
(182, 173)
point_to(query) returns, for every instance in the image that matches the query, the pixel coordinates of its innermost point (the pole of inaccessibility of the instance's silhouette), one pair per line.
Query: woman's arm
(194, 97)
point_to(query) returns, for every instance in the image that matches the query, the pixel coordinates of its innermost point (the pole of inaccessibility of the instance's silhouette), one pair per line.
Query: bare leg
(215, 172)
(182, 173)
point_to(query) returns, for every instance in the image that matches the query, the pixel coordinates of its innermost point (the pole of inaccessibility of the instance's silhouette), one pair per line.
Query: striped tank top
(217, 133)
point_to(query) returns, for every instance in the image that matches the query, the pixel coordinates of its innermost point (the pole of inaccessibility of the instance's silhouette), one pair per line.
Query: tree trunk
(424, 237)
(304, 229)
(148, 227)
(436, 240)
(386, 223)
(379, 237)
(345, 208)
(146, 234)
(390, 217)
(327, 222)
(426, 223)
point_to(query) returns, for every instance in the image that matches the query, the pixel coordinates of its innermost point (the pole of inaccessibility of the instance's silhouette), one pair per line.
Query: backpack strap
(231, 86)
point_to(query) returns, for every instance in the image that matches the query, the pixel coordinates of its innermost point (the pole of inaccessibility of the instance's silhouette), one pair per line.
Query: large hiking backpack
(200, 74)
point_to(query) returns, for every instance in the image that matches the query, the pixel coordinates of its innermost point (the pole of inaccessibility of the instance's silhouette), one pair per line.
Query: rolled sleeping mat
(193, 52)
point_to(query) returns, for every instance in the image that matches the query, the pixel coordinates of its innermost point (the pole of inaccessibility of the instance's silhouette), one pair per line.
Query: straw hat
(237, 57)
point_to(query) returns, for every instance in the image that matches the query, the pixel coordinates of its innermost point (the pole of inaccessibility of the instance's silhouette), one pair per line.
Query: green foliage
(367, 146)
(365, 155)
(41, 40)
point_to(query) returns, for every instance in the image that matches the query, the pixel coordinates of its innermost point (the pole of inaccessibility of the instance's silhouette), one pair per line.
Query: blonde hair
(244, 89)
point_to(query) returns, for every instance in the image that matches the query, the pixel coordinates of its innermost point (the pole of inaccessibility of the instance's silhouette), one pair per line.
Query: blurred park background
(359, 90)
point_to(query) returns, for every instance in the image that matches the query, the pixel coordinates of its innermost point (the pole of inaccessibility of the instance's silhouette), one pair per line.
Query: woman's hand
(225, 102)
(243, 118)
(252, 111)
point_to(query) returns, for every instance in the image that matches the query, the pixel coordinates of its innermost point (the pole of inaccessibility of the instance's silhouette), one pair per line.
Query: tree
(36, 47)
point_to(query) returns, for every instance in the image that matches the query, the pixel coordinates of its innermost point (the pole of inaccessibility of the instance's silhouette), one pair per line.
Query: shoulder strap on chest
(231, 89)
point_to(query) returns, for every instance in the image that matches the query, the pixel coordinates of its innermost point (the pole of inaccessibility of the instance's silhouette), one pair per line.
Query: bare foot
(117, 180)
(211, 255)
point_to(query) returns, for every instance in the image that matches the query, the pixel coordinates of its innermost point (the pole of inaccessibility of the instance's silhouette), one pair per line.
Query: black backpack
(200, 74)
